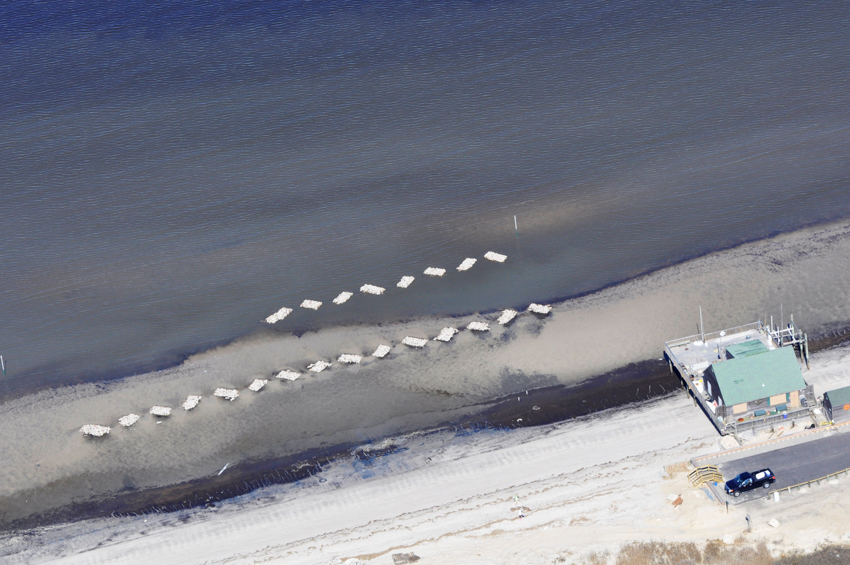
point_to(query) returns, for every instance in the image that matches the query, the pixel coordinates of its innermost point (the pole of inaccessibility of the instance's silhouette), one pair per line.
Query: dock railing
(714, 335)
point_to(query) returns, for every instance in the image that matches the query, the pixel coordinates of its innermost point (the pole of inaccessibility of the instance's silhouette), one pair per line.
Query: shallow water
(172, 176)
(49, 465)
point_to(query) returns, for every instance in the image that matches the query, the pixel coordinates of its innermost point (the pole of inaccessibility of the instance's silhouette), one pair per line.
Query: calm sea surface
(173, 173)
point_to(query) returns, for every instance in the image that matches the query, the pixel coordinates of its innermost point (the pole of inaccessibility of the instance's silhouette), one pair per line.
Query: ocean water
(171, 174)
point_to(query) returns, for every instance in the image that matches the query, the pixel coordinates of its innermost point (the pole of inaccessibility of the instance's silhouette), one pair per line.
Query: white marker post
(516, 229)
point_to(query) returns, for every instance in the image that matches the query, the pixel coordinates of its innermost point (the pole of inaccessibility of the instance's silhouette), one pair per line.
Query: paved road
(792, 465)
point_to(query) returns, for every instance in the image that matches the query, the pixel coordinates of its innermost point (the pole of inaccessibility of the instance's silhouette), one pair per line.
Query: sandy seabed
(588, 484)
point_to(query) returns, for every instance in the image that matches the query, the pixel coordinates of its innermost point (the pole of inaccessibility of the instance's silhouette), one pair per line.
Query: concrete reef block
(372, 289)
(382, 351)
(128, 420)
(161, 411)
(349, 358)
(539, 308)
(95, 430)
(405, 281)
(446, 334)
(279, 315)
(343, 297)
(191, 402)
(414, 341)
(288, 375)
(467, 264)
(435, 272)
(311, 304)
(507, 316)
(497, 257)
(478, 327)
(257, 385)
(318, 366)
(230, 394)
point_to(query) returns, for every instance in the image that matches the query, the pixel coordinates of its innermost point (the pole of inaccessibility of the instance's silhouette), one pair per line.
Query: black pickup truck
(749, 481)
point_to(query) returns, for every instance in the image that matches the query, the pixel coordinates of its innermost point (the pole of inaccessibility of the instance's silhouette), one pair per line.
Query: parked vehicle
(749, 481)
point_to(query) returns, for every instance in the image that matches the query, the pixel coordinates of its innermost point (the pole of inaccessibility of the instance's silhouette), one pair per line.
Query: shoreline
(556, 404)
(562, 361)
(534, 408)
(173, 359)
(575, 481)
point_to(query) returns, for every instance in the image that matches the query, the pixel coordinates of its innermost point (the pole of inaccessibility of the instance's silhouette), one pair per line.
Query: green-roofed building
(755, 383)
(837, 404)
(745, 349)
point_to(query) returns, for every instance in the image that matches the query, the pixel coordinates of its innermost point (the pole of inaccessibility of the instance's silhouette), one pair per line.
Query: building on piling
(748, 377)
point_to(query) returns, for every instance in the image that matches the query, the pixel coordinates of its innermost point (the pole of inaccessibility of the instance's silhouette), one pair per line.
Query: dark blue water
(172, 173)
